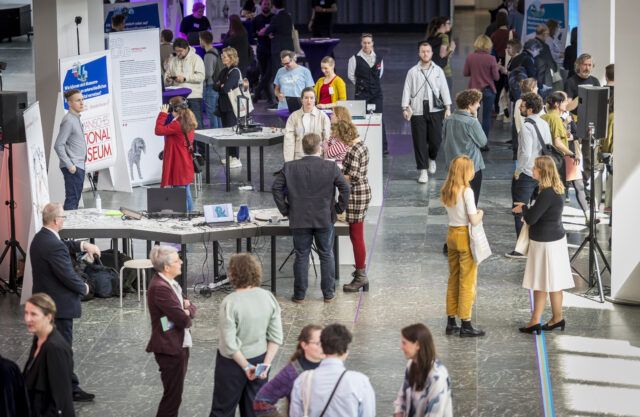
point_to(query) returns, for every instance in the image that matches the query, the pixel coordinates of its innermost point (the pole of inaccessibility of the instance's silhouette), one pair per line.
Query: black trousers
(173, 369)
(377, 101)
(426, 131)
(476, 184)
(275, 66)
(65, 327)
(231, 388)
(265, 85)
(523, 190)
(229, 119)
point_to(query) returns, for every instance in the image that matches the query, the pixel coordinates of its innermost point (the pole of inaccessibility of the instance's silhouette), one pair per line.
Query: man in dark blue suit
(54, 275)
(310, 203)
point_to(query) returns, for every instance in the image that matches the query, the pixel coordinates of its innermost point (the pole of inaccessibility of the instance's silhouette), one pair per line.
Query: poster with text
(144, 15)
(537, 12)
(138, 95)
(91, 74)
(39, 186)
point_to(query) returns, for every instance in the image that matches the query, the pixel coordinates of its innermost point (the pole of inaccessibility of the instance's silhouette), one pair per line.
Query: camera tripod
(12, 246)
(594, 276)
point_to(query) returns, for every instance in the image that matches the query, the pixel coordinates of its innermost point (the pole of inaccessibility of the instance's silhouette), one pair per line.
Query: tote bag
(480, 249)
(522, 245)
(246, 106)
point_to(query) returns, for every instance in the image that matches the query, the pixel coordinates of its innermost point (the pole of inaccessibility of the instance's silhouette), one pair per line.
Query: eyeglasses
(61, 217)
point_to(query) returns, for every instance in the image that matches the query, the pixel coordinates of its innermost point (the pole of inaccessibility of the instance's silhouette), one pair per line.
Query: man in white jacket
(425, 102)
(307, 119)
(185, 69)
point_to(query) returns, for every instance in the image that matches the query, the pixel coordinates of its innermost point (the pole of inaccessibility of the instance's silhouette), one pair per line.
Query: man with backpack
(212, 68)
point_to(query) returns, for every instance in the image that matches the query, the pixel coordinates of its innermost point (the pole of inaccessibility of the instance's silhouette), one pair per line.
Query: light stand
(12, 246)
(594, 277)
(3, 66)
(78, 20)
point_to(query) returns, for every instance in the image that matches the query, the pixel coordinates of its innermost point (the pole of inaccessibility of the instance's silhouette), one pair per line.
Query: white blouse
(458, 216)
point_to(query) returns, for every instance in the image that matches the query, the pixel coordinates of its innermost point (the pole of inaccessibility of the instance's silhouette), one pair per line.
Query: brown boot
(359, 281)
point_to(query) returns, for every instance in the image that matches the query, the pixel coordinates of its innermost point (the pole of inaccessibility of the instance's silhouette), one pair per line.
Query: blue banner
(136, 16)
(539, 12)
(90, 78)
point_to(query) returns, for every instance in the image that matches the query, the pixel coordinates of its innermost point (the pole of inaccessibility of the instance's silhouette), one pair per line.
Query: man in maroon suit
(171, 313)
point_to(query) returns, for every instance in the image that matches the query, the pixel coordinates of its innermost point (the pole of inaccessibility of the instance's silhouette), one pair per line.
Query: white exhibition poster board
(91, 74)
(38, 186)
(138, 97)
(541, 11)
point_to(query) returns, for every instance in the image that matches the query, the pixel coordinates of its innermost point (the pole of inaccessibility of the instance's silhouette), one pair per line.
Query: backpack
(515, 76)
(105, 279)
(217, 66)
(436, 43)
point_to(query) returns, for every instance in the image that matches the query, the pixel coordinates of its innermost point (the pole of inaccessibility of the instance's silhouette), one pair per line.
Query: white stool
(138, 265)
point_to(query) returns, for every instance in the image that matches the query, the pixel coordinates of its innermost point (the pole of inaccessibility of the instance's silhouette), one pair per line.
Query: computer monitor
(357, 108)
(293, 103)
(166, 200)
(218, 213)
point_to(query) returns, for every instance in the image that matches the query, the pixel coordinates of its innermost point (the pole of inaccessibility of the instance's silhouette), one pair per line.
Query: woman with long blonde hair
(457, 197)
(334, 148)
(177, 160)
(548, 269)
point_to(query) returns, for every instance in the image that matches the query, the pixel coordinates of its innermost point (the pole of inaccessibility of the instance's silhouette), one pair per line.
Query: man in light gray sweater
(71, 148)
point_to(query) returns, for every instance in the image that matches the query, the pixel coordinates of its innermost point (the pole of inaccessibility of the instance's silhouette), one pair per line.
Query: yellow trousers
(463, 273)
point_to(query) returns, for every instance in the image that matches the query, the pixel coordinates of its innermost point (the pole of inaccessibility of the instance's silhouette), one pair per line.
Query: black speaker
(12, 106)
(593, 107)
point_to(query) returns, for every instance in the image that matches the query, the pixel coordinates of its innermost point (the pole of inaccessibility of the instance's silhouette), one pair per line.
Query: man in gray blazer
(305, 192)
(71, 148)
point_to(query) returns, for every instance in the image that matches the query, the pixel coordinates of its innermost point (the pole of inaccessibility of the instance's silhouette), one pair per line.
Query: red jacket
(163, 302)
(177, 163)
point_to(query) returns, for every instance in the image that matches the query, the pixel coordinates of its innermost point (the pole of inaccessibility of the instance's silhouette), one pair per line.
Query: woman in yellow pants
(457, 197)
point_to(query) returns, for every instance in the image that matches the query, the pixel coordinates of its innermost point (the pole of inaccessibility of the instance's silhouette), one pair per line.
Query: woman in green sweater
(250, 334)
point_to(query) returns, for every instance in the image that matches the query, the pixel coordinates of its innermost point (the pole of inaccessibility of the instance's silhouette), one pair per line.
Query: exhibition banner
(91, 74)
(541, 11)
(39, 186)
(138, 95)
(145, 15)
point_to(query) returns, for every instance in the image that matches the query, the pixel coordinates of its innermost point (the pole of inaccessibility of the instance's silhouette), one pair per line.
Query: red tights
(356, 233)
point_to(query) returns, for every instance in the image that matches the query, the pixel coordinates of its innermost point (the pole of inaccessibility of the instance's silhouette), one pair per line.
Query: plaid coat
(356, 165)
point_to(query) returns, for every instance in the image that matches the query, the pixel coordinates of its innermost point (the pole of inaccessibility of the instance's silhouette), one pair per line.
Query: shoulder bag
(198, 160)
(438, 103)
(246, 106)
(548, 149)
(480, 249)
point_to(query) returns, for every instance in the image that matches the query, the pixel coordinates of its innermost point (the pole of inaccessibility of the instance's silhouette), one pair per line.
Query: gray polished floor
(593, 368)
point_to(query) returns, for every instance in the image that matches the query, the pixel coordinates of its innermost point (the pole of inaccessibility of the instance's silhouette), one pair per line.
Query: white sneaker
(424, 176)
(235, 162)
(432, 166)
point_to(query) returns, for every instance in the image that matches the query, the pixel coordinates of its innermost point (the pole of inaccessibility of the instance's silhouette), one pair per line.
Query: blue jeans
(189, 199)
(302, 240)
(72, 188)
(488, 98)
(210, 97)
(523, 190)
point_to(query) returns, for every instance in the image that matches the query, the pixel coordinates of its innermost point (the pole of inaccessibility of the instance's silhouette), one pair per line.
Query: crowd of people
(323, 154)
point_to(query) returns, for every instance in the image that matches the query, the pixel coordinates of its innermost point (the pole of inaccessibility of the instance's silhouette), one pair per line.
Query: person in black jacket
(263, 54)
(14, 401)
(280, 31)
(48, 370)
(54, 275)
(229, 79)
(548, 269)
(238, 38)
(310, 205)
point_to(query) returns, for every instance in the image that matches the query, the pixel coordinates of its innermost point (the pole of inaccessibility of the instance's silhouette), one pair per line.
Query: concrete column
(625, 279)
(596, 23)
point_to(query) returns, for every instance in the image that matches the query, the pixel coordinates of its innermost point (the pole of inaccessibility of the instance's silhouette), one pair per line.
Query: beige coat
(294, 131)
(191, 68)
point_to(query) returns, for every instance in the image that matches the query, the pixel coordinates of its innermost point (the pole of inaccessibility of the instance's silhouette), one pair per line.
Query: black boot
(452, 326)
(359, 281)
(467, 330)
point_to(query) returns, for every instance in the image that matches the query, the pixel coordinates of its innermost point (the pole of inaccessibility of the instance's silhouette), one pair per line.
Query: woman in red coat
(177, 162)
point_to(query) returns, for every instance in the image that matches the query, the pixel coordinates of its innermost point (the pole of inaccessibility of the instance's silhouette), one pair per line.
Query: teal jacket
(463, 135)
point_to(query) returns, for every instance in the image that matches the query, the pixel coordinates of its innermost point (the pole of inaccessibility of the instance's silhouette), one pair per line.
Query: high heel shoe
(535, 328)
(547, 328)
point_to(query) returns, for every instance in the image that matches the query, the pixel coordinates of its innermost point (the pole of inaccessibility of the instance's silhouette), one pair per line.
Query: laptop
(357, 108)
(218, 214)
(293, 103)
(167, 200)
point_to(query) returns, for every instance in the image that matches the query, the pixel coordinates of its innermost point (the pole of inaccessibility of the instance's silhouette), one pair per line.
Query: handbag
(161, 155)
(548, 149)
(197, 158)
(480, 249)
(522, 245)
(246, 106)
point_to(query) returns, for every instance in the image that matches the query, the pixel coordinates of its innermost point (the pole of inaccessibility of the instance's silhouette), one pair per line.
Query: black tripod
(594, 277)
(12, 246)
